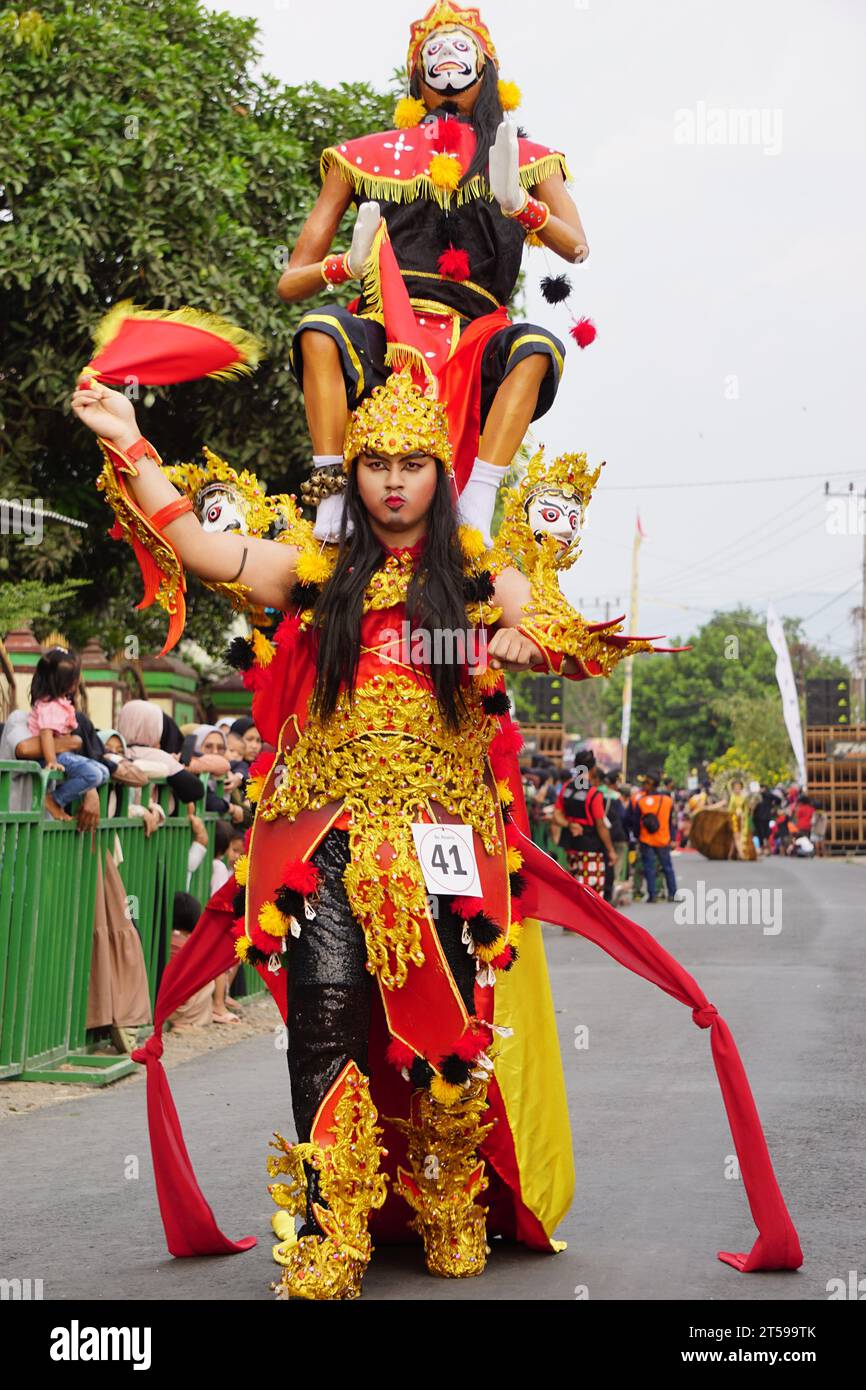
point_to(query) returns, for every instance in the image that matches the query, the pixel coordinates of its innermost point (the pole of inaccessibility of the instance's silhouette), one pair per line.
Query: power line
(728, 482)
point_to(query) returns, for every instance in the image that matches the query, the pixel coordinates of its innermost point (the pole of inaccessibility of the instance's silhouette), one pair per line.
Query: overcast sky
(725, 279)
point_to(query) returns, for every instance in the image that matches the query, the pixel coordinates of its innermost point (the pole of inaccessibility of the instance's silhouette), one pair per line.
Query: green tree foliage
(145, 158)
(42, 605)
(700, 701)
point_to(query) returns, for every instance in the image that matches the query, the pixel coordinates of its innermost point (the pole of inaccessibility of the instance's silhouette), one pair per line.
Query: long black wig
(487, 115)
(436, 599)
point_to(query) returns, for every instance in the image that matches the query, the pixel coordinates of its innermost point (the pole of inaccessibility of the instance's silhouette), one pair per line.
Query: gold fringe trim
(251, 348)
(371, 279)
(408, 356)
(376, 186)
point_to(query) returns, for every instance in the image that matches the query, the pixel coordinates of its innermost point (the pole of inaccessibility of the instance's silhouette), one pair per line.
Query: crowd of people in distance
(618, 838)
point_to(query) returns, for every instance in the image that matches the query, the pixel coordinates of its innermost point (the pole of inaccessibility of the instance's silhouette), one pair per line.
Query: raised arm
(510, 648)
(303, 277)
(265, 567)
(563, 232)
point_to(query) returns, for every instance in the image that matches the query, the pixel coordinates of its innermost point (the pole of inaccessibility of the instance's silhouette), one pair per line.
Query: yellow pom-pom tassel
(514, 933)
(489, 953)
(408, 113)
(272, 921)
(444, 1092)
(242, 870)
(263, 649)
(514, 859)
(445, 170)
(532, 240)
(255, 787)
(487, 680)
(471, 542)
(510, 95)
(313, 567)
(242, 947)
(504, 792)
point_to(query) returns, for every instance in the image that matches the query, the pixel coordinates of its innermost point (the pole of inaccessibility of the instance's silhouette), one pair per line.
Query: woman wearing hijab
(206, 752)
(143, 727)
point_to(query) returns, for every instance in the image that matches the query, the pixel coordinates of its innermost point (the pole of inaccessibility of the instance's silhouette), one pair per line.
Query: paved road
(652, 1203)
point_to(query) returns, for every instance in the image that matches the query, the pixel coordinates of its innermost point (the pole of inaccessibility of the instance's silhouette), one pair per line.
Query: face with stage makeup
(450, 61)
(221, 508)
(552, 513)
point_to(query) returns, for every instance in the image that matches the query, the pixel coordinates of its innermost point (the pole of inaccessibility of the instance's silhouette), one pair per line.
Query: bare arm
(49, 752)
(564, 232)
(268, 569)
(302, 277)
(508, 647)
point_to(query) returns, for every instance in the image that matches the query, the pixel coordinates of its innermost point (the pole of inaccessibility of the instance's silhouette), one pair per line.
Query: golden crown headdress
(440, 15)
(398, 418)
(568, 474)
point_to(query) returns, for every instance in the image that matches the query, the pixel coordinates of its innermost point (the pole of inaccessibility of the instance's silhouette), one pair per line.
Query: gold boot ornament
(346, 1155)
(446, 1176)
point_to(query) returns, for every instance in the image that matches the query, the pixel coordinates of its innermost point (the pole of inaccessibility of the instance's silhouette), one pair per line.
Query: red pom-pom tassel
(301, 875)
(454, 264)
(467, 907)
(288, 630)
(583, 332)
(261, 766)
(399, 1055)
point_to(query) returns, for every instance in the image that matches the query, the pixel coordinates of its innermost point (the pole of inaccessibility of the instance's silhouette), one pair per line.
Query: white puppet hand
(329, 516)
(505, 169)
(366, 227)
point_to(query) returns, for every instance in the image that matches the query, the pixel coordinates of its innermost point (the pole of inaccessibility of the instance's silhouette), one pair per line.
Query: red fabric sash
(552, 895)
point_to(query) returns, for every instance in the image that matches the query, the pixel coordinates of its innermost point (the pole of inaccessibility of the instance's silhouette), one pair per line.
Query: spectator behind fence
(55, 682)
(136, 775)
(197, 1012)
(206, 752)
(147, 730)
(220, 872)
(17, 743)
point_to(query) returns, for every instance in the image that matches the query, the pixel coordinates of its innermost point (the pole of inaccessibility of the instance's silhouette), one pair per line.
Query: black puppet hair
(435, 599)
(487, 115)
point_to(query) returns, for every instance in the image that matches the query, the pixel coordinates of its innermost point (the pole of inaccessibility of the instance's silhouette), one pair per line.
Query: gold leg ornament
(346, 1156)
(446, 1176)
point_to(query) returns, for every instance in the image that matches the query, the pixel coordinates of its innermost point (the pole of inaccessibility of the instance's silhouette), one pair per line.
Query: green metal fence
(47, 899)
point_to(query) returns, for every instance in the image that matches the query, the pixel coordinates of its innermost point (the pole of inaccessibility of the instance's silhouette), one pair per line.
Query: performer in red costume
(390, 895)
(460, 192)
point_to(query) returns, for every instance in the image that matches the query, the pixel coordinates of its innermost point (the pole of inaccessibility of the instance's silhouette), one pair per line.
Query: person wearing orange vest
(654, 814)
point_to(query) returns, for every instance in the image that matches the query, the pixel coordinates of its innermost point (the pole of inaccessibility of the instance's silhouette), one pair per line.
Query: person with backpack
(654, 809)
(580, 810)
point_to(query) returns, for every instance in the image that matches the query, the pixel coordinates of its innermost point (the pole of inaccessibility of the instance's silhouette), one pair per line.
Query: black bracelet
(240, 571)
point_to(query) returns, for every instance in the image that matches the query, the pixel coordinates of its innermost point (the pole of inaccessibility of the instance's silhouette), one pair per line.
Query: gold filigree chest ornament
(387, 755)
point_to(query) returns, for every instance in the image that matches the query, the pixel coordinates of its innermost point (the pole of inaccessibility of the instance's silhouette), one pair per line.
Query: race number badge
(447, 858)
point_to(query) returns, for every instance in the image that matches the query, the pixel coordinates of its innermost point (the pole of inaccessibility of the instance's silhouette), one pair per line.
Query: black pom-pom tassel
(454, 1070)
(496, 703)
(478, 588)
(239, 902)
(517, 884)
(421, 1074)
(240, 654)
(483, 929)
(303, 595)
(290, 902)
(556, 288)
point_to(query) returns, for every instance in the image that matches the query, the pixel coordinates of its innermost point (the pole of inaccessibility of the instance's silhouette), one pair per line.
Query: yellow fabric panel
(530, 1076)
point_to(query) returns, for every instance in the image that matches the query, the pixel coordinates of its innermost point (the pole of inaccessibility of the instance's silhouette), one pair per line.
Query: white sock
(478, 499)
(329, 512)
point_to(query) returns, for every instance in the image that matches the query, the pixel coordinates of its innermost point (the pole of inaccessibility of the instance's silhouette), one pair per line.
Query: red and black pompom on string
(556, 290)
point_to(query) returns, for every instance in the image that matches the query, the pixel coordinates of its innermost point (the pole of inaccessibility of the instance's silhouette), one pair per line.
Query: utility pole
(629, 661)
(856, 515)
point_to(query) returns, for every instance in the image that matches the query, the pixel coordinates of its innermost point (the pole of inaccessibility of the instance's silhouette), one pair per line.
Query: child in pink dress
(55, 681)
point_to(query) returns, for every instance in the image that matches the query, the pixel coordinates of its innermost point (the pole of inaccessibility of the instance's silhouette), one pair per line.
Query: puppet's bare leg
(512, 410)
(324, 393)
(508, 420)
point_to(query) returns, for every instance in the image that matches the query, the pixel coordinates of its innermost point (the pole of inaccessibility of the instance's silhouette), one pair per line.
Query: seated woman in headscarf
(153, 741)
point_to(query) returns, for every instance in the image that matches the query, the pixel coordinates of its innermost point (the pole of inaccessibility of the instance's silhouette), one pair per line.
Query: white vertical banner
(788, 690)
